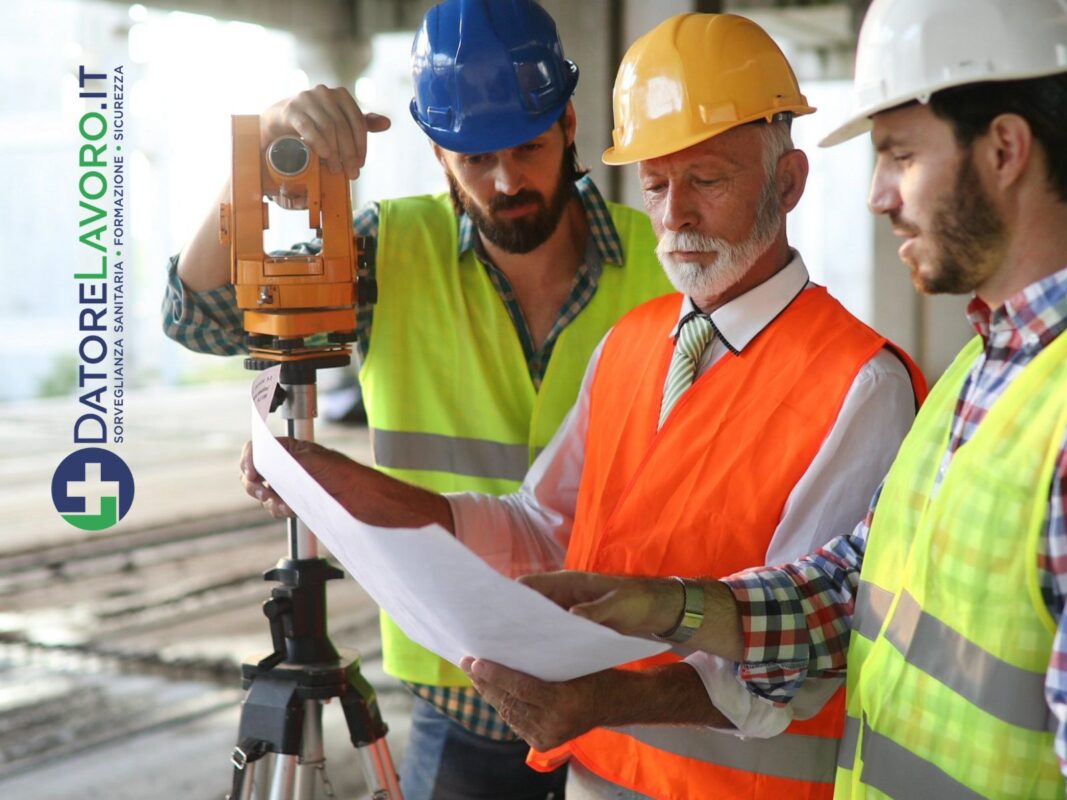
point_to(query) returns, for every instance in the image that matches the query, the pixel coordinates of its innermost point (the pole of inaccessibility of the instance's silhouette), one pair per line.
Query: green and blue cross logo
(92, 489)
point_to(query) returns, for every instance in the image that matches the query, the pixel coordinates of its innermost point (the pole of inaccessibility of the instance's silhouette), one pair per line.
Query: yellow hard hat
(692, 77)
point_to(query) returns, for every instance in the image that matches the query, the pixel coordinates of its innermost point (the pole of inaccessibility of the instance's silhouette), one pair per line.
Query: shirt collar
(603, 237)
(1036, 315)
(743, 318)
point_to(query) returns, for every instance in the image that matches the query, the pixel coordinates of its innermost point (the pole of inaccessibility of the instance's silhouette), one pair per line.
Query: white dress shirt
(528, 530)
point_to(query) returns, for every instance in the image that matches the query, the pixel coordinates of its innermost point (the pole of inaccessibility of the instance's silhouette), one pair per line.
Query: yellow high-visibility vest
(448, 392)
(951, 638)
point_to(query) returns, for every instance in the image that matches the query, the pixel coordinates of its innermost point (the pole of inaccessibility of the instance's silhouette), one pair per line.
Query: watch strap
(692, 613)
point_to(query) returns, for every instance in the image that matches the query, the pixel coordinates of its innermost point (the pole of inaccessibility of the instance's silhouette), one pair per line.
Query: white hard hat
(909, 49)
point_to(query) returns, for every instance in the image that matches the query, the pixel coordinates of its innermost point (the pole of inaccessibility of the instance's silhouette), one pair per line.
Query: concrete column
(584, 29)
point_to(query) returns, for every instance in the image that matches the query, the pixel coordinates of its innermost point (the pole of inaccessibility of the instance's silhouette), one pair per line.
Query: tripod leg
(379, 772)
(283, 780)
(312, 754)
(248, 783)
(368, 732)
(266, 769)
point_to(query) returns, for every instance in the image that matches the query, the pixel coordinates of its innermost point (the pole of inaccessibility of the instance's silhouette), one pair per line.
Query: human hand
(545, 714)
(327, 467)
(629, 605)
(330, 121)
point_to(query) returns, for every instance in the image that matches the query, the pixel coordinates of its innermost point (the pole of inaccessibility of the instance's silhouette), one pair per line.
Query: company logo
(92, 489)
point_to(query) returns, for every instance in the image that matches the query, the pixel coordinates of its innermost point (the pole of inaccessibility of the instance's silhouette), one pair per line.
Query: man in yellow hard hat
(713, 426)
(946, 604)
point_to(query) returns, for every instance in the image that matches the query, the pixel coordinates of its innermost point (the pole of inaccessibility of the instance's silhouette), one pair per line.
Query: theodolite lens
(288, 156)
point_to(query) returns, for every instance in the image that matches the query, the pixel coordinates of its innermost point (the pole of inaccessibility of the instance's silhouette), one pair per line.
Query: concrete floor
(119, 650)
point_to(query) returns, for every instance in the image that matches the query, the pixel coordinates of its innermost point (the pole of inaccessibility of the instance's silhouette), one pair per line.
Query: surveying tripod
(282, 711)
(299, 312)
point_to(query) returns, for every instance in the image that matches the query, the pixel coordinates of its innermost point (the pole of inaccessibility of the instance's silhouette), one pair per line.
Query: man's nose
(679, 211)
(884, 195)
(508, 177)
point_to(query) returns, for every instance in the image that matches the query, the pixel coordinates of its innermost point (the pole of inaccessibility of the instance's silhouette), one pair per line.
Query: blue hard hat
(488, 74)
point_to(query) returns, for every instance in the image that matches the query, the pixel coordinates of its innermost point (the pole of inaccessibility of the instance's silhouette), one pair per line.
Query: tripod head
(297, 308)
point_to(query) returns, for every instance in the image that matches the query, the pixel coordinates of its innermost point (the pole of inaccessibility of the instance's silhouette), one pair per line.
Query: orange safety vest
(703, 496)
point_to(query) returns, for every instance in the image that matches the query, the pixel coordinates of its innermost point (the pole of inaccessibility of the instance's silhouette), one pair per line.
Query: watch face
(692, 620)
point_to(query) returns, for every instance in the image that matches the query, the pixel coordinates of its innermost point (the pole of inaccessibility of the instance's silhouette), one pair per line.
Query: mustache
(901, 225)
(672, 241)
(504, 202)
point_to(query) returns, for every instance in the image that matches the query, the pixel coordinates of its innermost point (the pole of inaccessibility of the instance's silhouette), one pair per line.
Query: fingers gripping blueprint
(440, 593)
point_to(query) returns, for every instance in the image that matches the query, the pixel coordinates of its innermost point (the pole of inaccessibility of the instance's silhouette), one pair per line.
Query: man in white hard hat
(946, 604)
(703, 434)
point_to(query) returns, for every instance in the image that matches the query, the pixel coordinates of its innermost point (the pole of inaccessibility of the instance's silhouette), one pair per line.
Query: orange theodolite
(288, 299)
(299, 314)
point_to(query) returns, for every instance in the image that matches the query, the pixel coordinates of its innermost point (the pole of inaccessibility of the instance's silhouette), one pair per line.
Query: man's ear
(1006, 149)
(439, 154)
(791, 178)
(570, 123)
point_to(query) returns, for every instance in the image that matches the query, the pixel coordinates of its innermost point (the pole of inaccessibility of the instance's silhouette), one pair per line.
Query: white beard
(727, 262)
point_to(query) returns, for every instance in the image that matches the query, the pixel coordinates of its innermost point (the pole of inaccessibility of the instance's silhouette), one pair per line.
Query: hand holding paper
(630, 605)
(442, 595)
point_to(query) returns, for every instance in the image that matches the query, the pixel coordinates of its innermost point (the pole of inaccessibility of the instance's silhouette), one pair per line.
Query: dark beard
(517, 235)
(969, 236)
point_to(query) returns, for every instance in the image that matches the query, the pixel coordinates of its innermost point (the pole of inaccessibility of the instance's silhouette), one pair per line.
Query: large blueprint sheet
(441, 594)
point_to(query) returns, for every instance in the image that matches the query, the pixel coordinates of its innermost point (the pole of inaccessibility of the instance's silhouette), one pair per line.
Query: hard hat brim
(861, 122)
(854, 127)
(617, 156)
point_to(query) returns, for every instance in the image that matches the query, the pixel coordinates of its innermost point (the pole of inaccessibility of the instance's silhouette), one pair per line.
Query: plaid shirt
(210, 322)
(776, 605)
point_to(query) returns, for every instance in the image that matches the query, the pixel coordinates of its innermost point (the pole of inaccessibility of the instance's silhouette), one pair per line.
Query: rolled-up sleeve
(796, 618)
(207, 322)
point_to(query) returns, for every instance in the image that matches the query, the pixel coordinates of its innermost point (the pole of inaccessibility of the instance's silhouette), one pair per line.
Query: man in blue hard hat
(491, 300)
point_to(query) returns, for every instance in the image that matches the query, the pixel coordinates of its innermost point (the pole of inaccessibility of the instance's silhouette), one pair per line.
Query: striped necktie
(694, 333)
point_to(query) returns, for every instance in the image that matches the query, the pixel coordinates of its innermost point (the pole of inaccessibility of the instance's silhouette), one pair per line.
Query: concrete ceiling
(333, 35)
(812, 19)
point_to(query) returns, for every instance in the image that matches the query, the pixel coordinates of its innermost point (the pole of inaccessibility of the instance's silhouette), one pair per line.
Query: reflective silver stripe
(901, 774)
(872, 606)
(433, 451)
(803, 758)
(846, 753)
(1009, 693)
(584, 784)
